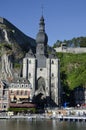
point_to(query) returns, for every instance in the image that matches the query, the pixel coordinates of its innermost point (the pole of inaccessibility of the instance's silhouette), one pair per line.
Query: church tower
(42, 70)
(41, 39)
(41, 48)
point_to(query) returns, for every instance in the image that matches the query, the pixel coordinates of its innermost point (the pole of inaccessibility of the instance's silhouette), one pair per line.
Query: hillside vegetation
(73, 70)
(74, 42)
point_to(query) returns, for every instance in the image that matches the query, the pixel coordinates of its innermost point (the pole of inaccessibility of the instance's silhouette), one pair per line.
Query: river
(25, 124)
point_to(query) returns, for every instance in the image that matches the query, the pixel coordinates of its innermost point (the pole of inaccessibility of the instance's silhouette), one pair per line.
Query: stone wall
(71, 49)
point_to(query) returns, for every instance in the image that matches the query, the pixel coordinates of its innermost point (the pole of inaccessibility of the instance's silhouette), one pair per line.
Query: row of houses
(15, 94)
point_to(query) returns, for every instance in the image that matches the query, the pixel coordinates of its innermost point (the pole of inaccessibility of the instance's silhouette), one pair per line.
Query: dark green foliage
(22, 110)
(76, 42)
(17, 65)
(57, 44)
(6, 46)
(73, 70)
(72, 73)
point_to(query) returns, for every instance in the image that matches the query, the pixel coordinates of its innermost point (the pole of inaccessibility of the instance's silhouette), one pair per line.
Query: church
(42, 70)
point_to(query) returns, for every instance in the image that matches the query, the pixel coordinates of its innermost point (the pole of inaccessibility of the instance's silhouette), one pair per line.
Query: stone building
(42, 69)
(4, 96)
(19, 91)
(15, 93)
(40, 81)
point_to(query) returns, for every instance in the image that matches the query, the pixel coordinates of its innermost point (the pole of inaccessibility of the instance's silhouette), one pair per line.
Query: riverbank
(46, 117)
(68, 114)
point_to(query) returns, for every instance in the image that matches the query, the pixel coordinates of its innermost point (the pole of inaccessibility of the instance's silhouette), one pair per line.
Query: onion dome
(41, 36)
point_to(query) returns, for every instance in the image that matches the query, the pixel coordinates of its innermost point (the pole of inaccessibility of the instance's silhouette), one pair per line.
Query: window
(41, 69)
(25, 92)
(22, 85)
(26, 85)
(18, 85)
(52, 62)
(21, 92)
(29, 74)
(52, 74)
(17, 92)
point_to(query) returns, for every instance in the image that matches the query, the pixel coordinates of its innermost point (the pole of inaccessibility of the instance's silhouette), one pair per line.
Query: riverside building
(42, 70)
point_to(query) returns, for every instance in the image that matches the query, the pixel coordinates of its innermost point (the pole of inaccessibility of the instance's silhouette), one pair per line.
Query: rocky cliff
(13, 46)
(11, 34)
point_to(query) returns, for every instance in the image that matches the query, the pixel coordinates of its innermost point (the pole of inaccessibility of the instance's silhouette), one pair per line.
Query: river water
(25, 124)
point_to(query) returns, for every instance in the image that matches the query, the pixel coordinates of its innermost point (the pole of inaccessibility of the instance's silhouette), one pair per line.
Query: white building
(42, 70)
(63, 48)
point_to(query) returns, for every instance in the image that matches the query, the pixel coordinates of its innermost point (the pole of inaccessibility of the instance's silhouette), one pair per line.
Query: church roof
(30, 54)
(42, 36)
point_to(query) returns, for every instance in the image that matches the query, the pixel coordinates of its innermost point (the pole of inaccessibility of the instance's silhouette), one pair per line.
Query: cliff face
(13, 46)
(11, 34)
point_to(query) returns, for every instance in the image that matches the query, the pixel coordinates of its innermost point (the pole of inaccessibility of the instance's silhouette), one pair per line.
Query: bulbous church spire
(42, 37)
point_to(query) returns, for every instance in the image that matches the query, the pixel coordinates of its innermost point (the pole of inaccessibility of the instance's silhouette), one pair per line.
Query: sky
(64, 19)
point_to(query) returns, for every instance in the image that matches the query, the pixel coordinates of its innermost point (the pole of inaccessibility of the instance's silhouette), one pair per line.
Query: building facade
(40, 81)
(15, 93)
(42, 69)
(4, 96)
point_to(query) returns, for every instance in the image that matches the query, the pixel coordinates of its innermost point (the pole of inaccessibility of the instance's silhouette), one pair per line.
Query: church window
(52, 62)
(29, 74)
(52, 74)
(41, 69)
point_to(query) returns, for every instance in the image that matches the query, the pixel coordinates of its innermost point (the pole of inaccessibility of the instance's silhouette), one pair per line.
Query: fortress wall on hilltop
(71, 50)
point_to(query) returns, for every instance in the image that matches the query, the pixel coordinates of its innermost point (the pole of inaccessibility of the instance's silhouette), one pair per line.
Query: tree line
(74, 42)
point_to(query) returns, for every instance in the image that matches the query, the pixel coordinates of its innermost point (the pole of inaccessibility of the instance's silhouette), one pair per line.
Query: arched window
(52, 62)
(29, 74)
(52, 75)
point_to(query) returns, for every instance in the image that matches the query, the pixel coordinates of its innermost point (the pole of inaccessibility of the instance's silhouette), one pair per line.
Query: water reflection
(25, 124)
